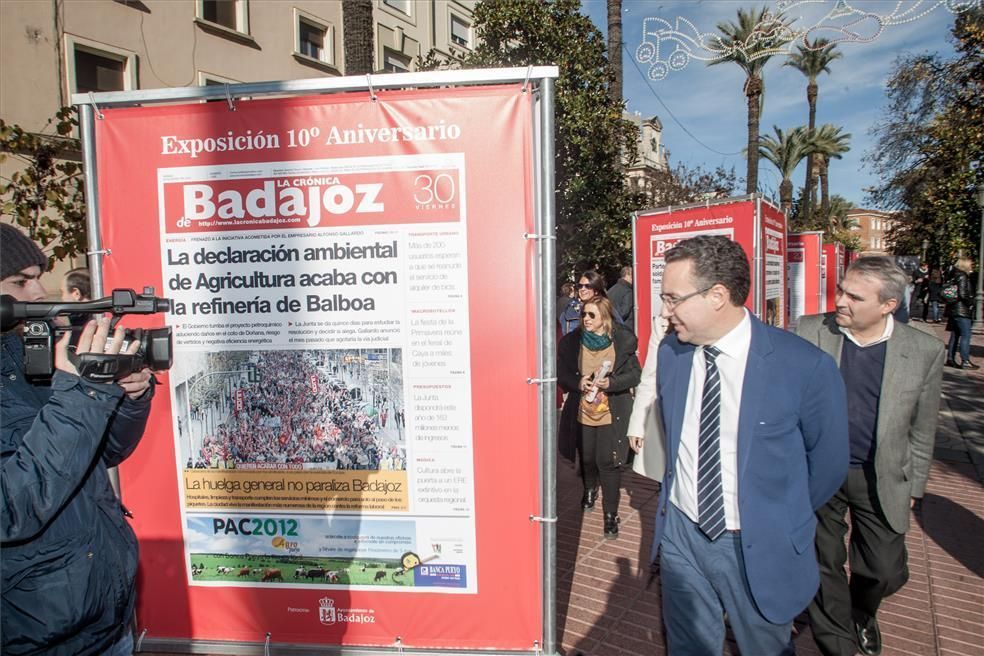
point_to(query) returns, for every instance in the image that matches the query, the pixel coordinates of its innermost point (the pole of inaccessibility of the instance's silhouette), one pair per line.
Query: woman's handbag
(950, 292)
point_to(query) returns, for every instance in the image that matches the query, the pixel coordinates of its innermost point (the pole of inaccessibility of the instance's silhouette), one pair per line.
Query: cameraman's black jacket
(68, 556)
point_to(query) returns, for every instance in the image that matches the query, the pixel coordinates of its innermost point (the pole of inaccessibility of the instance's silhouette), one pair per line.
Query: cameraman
(69, 557)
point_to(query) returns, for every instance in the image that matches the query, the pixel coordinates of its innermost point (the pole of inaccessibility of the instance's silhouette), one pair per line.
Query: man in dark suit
(756, 438)
(622, 298)
(893, 375)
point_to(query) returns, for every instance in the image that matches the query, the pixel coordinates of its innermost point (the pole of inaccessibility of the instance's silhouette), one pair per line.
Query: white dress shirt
(886, 335)
(731, 369)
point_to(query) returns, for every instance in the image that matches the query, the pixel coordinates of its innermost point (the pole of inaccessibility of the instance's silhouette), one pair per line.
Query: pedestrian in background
(590, 284)
(597, 367)
(933, 296)
(959, 312)
(622, 297)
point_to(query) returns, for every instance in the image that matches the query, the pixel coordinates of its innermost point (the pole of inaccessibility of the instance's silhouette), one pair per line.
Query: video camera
(41, 333)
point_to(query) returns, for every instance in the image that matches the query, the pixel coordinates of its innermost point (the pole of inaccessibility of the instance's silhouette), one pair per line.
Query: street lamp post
(925, 248)
(979, 314)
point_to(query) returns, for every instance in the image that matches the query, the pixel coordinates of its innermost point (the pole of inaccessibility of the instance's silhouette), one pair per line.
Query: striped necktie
(710, 499)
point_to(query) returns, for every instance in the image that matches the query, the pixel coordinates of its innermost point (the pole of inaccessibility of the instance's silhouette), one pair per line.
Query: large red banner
(760, 229)
(344, 452)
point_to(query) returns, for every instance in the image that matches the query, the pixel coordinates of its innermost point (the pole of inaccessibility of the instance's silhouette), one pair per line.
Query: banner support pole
(548, 390)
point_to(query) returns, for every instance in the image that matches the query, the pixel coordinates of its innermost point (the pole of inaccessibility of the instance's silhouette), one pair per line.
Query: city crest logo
(326, 612)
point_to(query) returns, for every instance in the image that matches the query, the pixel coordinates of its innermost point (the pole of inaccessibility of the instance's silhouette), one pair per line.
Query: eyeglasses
(672, 301)
(589, 314)
(584, 285)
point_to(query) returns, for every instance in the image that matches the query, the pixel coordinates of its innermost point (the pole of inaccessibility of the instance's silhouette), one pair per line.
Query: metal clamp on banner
(229, 98)
(92, 101)
(533, 235)
(100, 251)
(372, 92)
(266, 645)
(526, 82)
(543, 520)
(398, 643)
(536, 648)
(537, 381)
(139, 646)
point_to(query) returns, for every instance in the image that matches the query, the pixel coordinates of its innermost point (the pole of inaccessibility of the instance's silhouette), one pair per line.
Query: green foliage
(594, 207)
(46, 196)
(932, 132)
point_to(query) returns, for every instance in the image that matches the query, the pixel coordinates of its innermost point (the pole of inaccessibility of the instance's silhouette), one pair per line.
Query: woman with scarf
(597, 367)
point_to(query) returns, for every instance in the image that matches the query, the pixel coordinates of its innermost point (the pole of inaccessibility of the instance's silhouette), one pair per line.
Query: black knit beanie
(18, 252)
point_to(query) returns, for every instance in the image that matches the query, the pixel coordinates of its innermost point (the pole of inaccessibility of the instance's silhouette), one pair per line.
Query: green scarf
(594, 342)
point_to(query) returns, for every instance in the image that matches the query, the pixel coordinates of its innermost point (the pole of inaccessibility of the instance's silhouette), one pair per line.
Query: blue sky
(708, 100)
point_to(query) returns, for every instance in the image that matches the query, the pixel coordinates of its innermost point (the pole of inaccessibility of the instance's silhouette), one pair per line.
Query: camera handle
(103, 367)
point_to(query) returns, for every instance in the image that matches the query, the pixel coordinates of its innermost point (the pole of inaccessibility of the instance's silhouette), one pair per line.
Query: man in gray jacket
(69, 556)
(893, 375)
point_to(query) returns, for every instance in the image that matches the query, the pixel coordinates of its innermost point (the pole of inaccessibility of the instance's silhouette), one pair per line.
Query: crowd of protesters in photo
(300, 413)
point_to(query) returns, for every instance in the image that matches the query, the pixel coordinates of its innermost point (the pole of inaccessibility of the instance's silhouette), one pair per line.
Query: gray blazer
(907, 410)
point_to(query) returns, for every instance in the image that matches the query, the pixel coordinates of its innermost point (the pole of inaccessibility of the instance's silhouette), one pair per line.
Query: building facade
(872, 227)
(651, 155)
(52, 49)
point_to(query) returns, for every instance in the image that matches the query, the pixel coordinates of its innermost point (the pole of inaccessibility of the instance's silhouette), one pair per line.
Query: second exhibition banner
(352, 339)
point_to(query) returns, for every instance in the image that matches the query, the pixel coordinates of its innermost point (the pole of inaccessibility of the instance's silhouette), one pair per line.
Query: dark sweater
(862, 370)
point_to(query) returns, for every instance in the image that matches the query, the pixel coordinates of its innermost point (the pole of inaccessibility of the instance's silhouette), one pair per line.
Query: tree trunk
(615, 50)
(807, 209)
(786, 196)
(357, 36)
(824, 191)
(753, 90)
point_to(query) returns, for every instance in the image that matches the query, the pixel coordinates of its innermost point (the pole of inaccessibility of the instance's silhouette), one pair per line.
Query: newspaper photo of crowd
(313, 410)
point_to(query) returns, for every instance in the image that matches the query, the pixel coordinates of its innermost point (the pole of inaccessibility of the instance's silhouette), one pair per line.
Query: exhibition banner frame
(322, 470)
(803, 266)
(753, 222)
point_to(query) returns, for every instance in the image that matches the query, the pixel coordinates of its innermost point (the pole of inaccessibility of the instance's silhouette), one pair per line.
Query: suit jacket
(793, 455)
(907, 410)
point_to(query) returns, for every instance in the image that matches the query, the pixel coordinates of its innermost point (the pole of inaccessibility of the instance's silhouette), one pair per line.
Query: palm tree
(811, 60)
(357, 35)
(828, 142)
(750, 43)
(786, 151)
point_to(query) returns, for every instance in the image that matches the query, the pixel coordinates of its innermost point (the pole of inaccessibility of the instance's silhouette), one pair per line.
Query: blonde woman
(597, 367)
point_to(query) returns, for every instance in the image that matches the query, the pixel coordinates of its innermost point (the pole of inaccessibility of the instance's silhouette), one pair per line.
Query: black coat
(963, 305)
(625, 375)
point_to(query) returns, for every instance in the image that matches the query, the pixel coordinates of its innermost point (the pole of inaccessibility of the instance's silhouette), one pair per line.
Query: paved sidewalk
(605, 608)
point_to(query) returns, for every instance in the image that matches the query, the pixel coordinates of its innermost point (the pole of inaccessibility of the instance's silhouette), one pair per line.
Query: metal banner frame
(538, 80)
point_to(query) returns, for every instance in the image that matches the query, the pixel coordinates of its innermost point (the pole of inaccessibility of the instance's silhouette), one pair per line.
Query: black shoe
(611, 525)
(951, 363)
(588, 500)
(968, 365)
(869, 636)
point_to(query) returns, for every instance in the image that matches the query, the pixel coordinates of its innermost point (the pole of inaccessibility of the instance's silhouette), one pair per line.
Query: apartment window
(460, 32)
(231, 14)
(95, 67)
(395, 62)
(97, 73)
(402, 6)
(313, 38)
